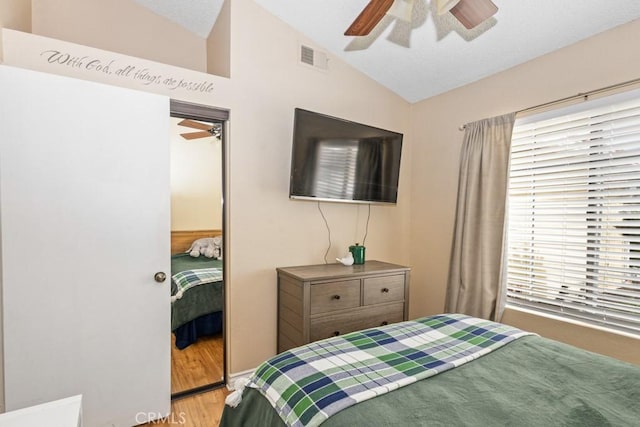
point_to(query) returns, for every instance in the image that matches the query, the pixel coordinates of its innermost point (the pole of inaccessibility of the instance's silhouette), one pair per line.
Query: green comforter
(308, 384)
(199, 300)
(532, 381)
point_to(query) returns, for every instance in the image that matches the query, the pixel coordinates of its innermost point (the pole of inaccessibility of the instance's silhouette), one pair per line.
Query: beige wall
(16, 15)
(266, 229)
(196, 181)
(599, 341)
(119, 26)
(219, 43)
(600, 61)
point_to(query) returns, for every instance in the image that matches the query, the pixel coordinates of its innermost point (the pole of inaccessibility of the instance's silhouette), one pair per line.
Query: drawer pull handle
(336, 333)
(385, 323)
(385, 290)
(335, 297)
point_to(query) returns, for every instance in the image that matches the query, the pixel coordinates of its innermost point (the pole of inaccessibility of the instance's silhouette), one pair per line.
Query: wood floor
(201, 410)
(199, 364)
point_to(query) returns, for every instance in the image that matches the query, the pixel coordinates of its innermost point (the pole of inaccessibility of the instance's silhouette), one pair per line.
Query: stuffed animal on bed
(211, 247)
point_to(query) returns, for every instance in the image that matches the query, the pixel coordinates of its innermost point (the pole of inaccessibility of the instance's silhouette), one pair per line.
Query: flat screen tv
(338, 160)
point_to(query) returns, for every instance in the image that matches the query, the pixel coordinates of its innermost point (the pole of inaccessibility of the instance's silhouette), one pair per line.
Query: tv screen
(342, 161)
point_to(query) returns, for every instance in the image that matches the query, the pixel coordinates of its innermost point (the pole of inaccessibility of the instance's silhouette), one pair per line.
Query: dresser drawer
(383, 289)
(343, 323)
(319, 301)
(332, 296)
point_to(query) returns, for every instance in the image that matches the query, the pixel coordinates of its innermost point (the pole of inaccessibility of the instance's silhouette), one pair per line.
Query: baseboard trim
(237, 376)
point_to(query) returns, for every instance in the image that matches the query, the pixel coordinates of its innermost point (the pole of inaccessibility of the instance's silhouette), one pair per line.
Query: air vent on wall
(314, 58)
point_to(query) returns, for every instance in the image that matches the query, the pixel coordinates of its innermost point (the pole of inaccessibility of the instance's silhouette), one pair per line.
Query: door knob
(160, 277)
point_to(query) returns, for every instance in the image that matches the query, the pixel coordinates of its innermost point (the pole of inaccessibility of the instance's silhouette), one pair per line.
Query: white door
(84, 226)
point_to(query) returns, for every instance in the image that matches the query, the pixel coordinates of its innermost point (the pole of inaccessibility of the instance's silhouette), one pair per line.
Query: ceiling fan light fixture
(402, 9)
(444, 6)
(472, 13)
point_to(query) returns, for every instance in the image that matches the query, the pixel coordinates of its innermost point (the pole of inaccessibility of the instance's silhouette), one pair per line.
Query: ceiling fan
(206, 129)
(470, 13)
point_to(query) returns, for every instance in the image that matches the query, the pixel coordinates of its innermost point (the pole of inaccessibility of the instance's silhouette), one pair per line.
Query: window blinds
(336, 168)
(573, 235)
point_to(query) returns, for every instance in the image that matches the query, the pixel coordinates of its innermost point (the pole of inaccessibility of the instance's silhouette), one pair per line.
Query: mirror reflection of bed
(197, 343)
(196, 315)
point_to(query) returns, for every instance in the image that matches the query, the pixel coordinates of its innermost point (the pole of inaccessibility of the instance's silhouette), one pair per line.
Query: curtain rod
(584, 95)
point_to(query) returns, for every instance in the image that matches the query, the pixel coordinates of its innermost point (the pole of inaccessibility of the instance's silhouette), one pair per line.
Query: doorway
(198, 248)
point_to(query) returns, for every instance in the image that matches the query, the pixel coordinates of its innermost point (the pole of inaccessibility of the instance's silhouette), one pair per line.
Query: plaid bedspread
(308, 384)
(187, 279)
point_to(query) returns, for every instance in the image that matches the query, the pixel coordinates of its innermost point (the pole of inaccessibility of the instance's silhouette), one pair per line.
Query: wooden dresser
(320, 301)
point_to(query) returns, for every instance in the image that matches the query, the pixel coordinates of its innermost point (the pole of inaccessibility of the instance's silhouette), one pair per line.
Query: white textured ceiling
(198, 16)
(432, 54)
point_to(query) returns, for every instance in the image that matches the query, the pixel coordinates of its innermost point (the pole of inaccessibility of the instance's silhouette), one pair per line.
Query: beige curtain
(474, 272)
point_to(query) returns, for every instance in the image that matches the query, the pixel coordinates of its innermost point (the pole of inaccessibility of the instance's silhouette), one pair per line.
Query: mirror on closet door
(197, 248)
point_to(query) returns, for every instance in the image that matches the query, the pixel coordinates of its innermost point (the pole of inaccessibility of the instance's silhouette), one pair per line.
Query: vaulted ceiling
(430, 53)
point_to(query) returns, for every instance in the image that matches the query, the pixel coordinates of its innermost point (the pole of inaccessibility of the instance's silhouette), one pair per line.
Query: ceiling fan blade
(195, 135)
(195, 125)
(472, 13)
(369, 17)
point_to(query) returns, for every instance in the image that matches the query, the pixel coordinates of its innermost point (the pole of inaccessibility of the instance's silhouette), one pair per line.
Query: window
(573, 235)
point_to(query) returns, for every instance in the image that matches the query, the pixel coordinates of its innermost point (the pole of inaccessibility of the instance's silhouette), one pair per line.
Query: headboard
(181, 240)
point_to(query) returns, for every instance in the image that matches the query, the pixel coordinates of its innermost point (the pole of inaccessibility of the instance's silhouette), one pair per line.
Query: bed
(198, 311)
(526, 381)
